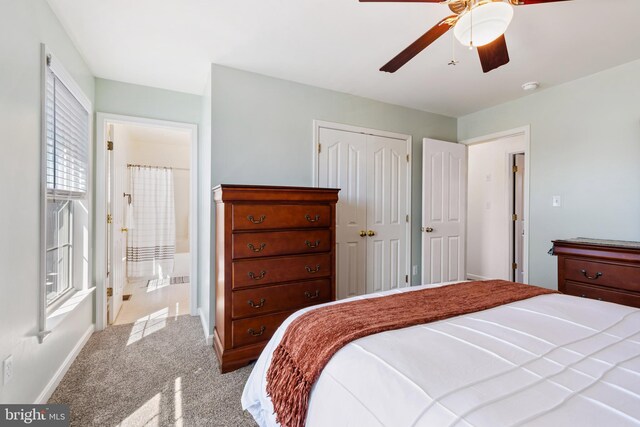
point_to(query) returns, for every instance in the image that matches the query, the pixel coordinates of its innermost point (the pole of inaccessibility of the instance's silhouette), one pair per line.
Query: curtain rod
(156, 167)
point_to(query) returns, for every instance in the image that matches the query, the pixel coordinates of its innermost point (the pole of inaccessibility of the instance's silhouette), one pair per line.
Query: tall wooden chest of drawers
(275, 253)
(607, 270)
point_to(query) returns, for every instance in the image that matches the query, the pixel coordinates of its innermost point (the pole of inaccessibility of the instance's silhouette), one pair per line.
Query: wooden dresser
(275, 253)
(607, 270)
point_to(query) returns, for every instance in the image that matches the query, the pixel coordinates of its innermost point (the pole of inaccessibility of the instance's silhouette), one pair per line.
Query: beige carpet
(157, 373)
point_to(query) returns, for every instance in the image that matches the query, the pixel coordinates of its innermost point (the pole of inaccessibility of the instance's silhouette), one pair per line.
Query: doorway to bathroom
(149, 208)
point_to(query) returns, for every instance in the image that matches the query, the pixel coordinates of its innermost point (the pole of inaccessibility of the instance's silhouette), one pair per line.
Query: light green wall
(26, 24)
(148, 102)
(262, 131)
(585, 147)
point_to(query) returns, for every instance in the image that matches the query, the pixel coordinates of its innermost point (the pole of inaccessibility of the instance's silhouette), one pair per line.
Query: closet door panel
(342, 164)
(386, 213)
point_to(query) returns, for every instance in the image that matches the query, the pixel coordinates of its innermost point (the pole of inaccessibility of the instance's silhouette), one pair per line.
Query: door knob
(371, 233)
(428, 230)
(124, 230)
(363, 233)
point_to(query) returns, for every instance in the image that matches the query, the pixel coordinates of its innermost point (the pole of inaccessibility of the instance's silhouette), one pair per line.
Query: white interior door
(342, 164)
(444, 180)
(518, 224)
(386, 213)
(118, 239)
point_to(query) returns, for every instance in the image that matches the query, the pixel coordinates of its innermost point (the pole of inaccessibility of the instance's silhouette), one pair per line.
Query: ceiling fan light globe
(489, 21)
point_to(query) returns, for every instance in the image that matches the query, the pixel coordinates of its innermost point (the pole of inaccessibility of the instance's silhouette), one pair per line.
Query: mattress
(551, 360)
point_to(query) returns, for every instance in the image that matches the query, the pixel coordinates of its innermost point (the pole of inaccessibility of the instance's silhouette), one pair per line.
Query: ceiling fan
(475, 23)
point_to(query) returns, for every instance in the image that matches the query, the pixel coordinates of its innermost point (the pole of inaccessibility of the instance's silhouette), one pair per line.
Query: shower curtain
(151, 242)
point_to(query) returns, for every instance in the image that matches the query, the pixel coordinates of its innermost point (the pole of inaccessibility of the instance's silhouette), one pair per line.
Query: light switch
(556, 201)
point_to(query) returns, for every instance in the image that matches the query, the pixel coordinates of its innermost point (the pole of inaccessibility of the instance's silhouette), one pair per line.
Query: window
(66, 144)
(59, 252)
(67, 139)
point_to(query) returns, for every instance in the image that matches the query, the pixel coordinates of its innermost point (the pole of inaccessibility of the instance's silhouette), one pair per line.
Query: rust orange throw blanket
(313, 338)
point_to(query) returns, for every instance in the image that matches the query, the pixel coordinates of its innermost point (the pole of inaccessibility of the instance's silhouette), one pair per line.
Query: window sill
(56, 316)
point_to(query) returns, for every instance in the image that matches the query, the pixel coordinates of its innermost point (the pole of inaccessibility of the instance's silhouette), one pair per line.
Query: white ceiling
(341, 44)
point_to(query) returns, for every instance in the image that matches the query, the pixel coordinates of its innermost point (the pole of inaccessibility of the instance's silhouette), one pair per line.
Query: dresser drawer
(258, 301)
(263, 216)
(602, 274)
(263, 271)
(586, 291)
(252, 245)
(256, 329)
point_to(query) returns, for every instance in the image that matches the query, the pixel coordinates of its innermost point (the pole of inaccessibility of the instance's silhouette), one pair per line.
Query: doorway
(147, 199)
(497, 207)
(373, 171)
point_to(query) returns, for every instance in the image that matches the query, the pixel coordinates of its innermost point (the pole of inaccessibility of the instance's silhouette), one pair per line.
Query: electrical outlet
(7, 370)
(414, 270)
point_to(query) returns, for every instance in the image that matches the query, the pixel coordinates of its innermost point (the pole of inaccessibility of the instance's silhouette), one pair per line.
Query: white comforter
(552, 360)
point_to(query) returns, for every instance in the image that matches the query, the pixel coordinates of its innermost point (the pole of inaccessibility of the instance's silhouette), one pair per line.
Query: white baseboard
(476, 277)
(62, 370)
(208, 338)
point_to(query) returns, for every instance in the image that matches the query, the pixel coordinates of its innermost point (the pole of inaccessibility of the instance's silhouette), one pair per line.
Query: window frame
(70, 255)
(46, 307)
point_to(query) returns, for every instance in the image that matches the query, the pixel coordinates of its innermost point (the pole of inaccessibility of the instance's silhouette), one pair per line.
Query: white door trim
(317, 124)
(525, 131)
(100, 266)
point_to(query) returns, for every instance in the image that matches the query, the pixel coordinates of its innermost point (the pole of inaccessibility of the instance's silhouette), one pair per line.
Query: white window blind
(67, 140)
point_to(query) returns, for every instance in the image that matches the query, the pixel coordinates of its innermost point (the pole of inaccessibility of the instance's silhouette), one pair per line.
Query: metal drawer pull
(315, 219)
(254, 249)
(311, 270)
(584, 296)
(253, 333)
(585, 274)
(260, 276)
(312, 245)
(257, 221)
(258, 305)
(309, 295)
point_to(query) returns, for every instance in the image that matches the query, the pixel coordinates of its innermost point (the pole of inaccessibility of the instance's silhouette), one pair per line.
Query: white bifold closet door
(371, 214)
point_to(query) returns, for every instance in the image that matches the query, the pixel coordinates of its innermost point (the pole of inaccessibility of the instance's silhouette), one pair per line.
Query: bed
(550, 360)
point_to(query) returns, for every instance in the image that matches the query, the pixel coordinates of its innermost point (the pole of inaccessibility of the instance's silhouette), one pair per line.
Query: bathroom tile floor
(149, 302)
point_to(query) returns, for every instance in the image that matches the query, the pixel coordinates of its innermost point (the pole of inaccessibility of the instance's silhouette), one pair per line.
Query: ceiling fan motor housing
(483, 23)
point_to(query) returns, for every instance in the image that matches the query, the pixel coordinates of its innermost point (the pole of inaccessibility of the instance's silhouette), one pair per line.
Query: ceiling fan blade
(526, 2)
(419, 45)
(494, 54)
